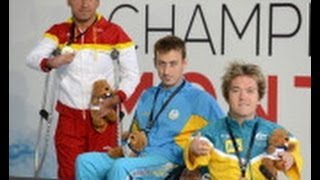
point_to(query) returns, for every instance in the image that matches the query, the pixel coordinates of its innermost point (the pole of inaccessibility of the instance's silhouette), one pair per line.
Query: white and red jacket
(91, 62)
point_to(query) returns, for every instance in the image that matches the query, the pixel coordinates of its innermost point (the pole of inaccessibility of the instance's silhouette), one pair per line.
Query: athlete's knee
(83, 160)
(120, 164)
(119, 169)
(85, 167)
(86, 164)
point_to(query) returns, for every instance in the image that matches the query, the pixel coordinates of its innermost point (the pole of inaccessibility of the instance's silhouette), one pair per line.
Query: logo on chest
(230, 147)
(173, 114)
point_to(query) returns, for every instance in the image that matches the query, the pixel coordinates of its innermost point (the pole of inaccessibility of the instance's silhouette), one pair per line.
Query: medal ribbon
(153, 120)
(72, 37)
(243, 166)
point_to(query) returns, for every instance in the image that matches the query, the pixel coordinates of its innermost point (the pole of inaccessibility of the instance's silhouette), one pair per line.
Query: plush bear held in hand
(277, 142)
(100, 91)
(135, 142)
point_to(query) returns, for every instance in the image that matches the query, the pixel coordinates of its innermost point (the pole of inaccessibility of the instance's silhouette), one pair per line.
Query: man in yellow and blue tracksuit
(234, 146)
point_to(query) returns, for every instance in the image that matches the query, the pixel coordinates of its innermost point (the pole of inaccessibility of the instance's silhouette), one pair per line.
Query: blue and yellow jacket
(190, 110)
(223, 162)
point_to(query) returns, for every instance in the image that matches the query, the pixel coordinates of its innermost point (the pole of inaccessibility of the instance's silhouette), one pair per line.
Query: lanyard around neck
(242, 165)
(153, 120)
(72, 37)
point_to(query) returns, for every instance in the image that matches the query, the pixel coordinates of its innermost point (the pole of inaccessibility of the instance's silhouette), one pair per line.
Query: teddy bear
(135, 142)
(100, 91)
(277, 142)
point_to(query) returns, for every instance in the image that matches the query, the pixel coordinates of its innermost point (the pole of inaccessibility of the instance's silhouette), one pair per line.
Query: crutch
(116, 67)
(44, 116)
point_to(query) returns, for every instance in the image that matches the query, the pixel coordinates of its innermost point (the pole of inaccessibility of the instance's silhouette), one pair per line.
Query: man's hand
(287, 158)
(199, 146)
(60, 60)
(107, 105)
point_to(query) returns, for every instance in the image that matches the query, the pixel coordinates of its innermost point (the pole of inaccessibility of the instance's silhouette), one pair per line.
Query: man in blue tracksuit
(168, 113)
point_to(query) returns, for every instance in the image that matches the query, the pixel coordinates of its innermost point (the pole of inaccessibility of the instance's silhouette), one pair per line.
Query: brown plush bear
(135, 142)
(277, 142)
(100, 91)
